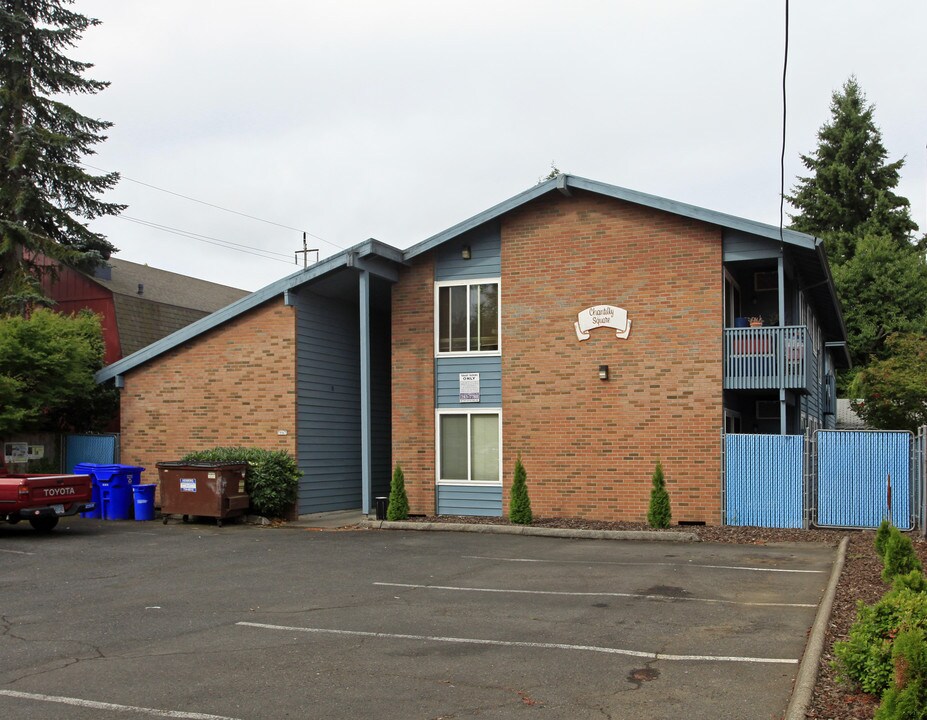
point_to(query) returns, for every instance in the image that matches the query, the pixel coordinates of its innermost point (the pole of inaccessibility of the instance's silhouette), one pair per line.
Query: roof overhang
(373, 256)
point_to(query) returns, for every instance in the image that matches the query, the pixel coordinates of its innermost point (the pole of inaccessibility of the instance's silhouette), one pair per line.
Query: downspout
(365, 388)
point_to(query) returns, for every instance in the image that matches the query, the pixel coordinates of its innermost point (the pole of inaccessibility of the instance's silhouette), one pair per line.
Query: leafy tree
(45, 194)
(850, 190)
(884, 291)
(519, 502)
(658, 514)
(47, 362)
(893, 392)
(398, 504)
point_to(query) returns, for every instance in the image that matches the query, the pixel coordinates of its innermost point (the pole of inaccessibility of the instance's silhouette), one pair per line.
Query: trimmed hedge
(272, 477)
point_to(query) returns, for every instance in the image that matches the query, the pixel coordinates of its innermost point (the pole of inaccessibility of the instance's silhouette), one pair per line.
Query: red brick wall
(589, 446)
(235, 385)
(413, 371)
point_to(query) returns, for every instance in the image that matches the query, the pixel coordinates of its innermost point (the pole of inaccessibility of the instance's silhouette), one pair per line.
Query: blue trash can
(144, 497)
(116, 482)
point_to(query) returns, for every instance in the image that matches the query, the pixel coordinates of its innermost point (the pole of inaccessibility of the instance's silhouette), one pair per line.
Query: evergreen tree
(398, 507)
(850, 191)
(46, 196)
(519, 502)
(658, 514)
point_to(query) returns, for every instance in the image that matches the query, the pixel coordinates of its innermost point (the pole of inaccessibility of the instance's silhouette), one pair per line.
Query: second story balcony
(767, 358)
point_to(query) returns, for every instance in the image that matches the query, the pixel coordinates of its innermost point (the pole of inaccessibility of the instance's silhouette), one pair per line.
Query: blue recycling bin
(144, 498)
(113, 484)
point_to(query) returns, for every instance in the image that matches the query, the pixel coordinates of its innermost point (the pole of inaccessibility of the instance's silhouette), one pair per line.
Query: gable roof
(563, 184)
(352, 257)
(375, 252)
(163, 286)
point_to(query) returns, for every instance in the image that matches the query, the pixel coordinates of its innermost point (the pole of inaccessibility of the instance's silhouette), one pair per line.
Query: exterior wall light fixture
(603, 372)
(465, 252)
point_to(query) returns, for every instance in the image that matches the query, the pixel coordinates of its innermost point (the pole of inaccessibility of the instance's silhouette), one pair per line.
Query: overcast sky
(397, 119)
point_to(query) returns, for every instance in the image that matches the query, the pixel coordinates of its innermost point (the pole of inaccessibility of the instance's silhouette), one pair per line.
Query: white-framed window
(467, 318)
(469, 447)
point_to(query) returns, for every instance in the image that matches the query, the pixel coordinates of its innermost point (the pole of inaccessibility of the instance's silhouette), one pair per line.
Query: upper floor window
(468, 317)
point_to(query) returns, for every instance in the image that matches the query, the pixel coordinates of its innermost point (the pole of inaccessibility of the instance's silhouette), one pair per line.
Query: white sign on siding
(469, 387)
(603, 316)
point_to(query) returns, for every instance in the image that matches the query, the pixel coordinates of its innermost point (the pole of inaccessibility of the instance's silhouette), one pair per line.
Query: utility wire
(212, 205)
(785, 66)
(206, 239)
(190, 233)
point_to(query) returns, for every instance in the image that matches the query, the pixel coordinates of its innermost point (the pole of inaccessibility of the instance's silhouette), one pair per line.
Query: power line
(785, 66)
(210, 240)
(213, 205)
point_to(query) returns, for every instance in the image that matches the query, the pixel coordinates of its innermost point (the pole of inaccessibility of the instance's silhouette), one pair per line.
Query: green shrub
(398, 508)
(519, 502)
(907, 698)
(271, 479)
(882, 534)
(866, 656)
(658, 514)
(914, 581)
(899, 557)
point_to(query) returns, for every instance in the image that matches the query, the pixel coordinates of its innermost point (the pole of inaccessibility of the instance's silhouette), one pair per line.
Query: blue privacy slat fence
(852, 472)
(100, 449)
(763, 480)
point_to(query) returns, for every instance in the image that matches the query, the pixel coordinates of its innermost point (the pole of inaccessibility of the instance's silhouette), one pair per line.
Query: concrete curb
(543, 531)
(808, 670)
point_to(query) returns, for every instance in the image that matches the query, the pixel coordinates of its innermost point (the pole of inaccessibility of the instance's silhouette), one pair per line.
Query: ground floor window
(468, 447)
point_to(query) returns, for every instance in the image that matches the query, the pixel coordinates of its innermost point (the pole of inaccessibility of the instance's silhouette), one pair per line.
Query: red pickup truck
(42, 499)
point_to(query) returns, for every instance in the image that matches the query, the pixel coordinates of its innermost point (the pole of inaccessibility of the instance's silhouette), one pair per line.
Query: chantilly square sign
(603, 316)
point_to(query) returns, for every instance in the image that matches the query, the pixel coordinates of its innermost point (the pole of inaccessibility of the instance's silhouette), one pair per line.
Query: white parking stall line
(640, 596)
(522, 644)
(95, 705)
(16, 552)
(645, 564)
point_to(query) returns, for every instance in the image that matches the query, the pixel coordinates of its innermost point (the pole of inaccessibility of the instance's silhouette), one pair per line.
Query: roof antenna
(305, 253)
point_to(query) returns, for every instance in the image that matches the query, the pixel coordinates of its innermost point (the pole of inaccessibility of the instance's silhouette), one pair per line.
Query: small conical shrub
(885, 529)
(659, 515)
(398, 508)
(519, 502)
(899, 557)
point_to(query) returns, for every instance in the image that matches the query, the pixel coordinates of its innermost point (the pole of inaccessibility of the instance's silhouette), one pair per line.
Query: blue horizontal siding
(485, 255)
(447, 381)
(464, 500)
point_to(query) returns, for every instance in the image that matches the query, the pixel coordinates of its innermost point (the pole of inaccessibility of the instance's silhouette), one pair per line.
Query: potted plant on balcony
(755, 320)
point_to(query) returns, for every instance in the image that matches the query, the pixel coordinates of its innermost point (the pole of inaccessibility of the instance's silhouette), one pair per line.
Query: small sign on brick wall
(598, 316)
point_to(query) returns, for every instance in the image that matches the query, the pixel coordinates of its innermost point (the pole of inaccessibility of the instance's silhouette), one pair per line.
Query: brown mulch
(860, 580)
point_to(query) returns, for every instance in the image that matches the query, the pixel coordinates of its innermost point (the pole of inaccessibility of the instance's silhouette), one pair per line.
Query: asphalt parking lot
(107, 620)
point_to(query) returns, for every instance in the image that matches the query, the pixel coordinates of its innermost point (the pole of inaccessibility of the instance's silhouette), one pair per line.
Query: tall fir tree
(849, 201)
(851, 189)
(46, 196)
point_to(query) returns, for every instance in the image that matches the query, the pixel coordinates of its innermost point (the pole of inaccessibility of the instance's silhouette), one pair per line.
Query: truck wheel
(44, 524)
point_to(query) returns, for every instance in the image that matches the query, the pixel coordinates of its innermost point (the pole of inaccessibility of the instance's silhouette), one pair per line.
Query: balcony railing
(767, 358)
